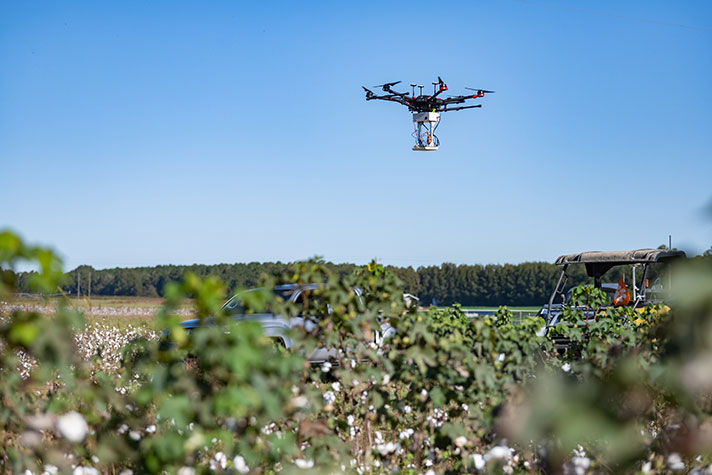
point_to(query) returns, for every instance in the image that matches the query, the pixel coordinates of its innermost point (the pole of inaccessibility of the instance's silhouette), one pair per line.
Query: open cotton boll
(72, 426)
(239, 463)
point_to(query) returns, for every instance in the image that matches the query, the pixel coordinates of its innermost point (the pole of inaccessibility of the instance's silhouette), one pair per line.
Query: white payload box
(425, 124)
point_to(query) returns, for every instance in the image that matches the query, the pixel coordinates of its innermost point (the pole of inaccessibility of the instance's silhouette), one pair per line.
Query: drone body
(426, 109)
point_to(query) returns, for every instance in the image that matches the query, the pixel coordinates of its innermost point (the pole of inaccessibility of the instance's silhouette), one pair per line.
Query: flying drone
(426, 109)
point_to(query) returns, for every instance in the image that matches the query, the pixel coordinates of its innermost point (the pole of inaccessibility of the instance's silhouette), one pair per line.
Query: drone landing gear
(425, 125)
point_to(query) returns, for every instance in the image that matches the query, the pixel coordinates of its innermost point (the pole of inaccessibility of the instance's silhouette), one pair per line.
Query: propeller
(388, 84)
(443, 86)
(369, 93)
(483, 91)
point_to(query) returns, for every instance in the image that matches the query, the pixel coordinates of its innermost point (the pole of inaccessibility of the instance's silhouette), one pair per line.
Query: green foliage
(441, 392)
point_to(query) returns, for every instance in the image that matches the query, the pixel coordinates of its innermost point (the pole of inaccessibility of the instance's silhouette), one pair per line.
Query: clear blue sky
(143, 133)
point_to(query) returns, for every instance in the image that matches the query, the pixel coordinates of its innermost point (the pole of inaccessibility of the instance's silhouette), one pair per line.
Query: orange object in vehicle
(622, 297)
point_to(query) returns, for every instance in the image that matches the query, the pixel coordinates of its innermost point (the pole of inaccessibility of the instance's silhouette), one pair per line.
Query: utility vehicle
(597, 263)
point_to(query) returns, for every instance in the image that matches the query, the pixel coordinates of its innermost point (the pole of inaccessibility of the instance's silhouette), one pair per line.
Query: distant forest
(528, 283)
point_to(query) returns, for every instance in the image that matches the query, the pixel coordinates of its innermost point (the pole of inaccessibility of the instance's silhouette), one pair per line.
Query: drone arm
(370, 96)
(460, 108)
(456, 99)
(391, 98)
(395, 93)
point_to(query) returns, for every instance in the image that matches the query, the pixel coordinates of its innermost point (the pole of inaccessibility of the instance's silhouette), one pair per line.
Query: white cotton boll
(500, 357)
(326, 367)
(350, 420)
(580, 464)
(566, 367)
(336, 386)
(499, 452)
(239, 463)
(407, 409)
(389, 448)
(72, 426)
(50, 470)
(674, 462)
(579, 451)
(186, 471)
(135, 435)
(329, 397)
(126, 472)
(304, 464)
(406, 434)
(430, 472)
(151, 429)
(85, 471)
(219, 461)
(460, 441)
(479, 461)
(386, 378)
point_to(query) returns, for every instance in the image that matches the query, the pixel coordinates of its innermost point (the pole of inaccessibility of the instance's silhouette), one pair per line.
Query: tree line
(528, 283)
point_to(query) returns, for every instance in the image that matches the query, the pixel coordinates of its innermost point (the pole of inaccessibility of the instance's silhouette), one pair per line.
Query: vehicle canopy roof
(598, 262)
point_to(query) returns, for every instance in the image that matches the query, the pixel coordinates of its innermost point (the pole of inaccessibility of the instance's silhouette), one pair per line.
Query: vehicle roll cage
(598, 263)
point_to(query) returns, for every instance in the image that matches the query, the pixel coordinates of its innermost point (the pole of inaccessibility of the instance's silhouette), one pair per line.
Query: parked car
(278, 327)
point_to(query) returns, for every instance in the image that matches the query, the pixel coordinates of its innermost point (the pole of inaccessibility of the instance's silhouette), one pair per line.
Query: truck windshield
(235, 306)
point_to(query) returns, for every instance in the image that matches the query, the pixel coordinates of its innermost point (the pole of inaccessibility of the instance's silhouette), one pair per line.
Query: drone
(426, 109)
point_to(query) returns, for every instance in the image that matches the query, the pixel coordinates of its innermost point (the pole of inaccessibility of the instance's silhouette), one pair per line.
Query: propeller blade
(388, 84)
(480, 90)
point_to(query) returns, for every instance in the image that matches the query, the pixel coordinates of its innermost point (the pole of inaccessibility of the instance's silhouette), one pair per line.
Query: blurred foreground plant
(443, 392)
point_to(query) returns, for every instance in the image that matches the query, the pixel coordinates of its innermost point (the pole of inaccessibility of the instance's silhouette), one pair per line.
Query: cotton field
(443, 394)
(90, 310)
(101, 343)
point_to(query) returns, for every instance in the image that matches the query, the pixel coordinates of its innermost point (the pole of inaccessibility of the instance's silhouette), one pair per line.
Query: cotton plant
(442, 393)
